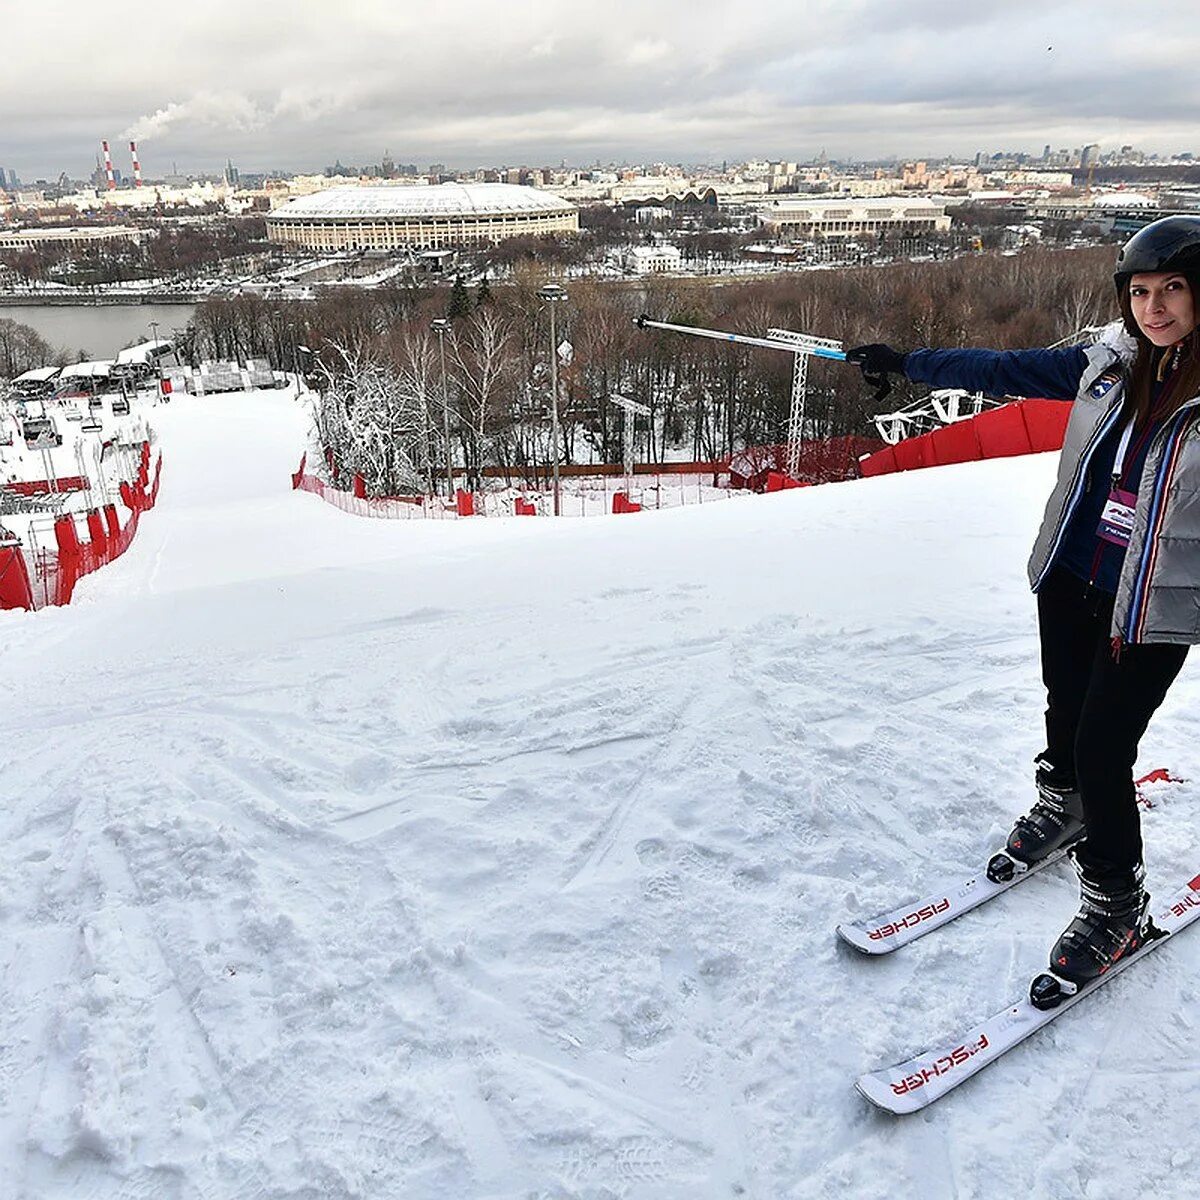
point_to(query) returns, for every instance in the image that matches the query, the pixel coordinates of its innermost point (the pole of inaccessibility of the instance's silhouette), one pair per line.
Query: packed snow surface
(500, 859)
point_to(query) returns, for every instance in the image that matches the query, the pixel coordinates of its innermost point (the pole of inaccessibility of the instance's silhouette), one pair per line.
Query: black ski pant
(1099, 705)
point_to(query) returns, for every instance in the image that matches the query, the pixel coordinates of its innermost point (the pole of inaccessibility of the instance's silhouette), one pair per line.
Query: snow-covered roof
(37, 375)
(142, 351)
(442, 200)
(86, 369)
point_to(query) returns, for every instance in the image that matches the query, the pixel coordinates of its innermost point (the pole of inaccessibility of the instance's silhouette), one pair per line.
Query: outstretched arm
(1049, 374)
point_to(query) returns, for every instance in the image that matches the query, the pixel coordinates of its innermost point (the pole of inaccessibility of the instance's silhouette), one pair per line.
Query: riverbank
(75, 299)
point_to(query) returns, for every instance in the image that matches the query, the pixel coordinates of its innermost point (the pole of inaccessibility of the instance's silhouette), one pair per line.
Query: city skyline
(475, 84)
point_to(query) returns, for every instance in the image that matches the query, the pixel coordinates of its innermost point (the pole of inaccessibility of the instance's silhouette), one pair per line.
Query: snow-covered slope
(501, 859)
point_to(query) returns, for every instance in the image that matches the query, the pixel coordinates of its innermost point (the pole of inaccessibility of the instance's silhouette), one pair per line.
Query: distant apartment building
(842, 219)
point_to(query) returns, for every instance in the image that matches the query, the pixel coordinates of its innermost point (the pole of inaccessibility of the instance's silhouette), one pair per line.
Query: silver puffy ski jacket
(1158, 596)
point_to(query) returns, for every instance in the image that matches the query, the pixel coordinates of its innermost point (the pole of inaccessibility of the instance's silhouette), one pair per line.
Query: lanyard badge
(1116, 521)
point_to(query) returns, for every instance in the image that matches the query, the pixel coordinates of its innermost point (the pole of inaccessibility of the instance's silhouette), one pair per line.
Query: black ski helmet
(1169, 244)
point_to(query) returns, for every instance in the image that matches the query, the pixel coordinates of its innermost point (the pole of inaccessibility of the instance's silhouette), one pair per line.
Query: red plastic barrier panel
(466, 503)
(360, 487)
(67, 537)
(15, 591)
(1002, 432)
(1046, 423)
(110, 519)
(882, 462)
(623, 504)
(525, 508)
(956, 443)
(778, 481)
(914, 453)
(70, 557)
(96, 531)
(165, 384)
(127, 497)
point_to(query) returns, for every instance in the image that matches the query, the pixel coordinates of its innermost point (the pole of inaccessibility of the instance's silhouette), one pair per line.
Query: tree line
(389, 408)
(22, 349)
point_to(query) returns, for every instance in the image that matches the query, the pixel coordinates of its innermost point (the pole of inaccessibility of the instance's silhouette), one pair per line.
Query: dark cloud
(295, 85)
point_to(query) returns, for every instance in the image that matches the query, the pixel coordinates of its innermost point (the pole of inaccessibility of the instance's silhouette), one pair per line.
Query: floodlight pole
(157, 360)
(552, 294)
(801, 345)
(441, 326)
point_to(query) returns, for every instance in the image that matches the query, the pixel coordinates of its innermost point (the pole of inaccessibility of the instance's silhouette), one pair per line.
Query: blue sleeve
(1046, 374)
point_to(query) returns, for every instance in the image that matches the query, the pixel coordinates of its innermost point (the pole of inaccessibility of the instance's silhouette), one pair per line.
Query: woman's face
(1162, 306)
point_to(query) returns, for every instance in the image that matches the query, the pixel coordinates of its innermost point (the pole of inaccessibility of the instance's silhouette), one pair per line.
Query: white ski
(917, 1083)
(890, 930)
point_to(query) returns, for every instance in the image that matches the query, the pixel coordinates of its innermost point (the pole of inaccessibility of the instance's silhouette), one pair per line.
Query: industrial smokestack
(137, 166)
(108, 168)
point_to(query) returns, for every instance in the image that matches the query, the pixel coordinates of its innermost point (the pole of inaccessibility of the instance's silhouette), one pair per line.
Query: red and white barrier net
(32, 575)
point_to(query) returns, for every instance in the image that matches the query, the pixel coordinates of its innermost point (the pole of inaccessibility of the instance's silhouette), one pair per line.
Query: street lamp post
(552, 294)
(441, 326)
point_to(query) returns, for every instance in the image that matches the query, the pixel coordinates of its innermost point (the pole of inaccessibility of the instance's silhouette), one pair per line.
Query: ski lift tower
(802, 346)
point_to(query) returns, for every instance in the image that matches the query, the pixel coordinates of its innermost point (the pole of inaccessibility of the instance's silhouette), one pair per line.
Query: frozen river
(99, 330)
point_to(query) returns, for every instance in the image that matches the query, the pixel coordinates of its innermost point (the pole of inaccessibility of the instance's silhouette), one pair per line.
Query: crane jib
(797, 347)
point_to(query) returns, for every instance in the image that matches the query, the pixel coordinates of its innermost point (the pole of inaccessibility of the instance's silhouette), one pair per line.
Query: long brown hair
(1149, 361)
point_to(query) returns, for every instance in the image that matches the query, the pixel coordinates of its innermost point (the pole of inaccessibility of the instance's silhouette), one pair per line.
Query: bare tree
(484, 364)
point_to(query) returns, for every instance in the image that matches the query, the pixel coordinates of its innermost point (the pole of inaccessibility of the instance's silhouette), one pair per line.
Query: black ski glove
(877, 362)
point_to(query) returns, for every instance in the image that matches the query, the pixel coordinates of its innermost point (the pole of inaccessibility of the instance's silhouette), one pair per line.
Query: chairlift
(40, 433)
(120, 407)
(91, 424)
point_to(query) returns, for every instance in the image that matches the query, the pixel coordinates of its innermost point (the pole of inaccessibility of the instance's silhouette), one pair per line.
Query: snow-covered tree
(375, 423)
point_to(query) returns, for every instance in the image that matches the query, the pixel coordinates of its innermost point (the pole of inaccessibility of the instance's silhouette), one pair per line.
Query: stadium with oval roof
(402, 217)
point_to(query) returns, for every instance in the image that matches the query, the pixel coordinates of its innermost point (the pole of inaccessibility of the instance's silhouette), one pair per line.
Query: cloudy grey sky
(295, 83)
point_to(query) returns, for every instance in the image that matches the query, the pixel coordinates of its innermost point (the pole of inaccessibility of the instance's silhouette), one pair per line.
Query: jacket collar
(1120, 341)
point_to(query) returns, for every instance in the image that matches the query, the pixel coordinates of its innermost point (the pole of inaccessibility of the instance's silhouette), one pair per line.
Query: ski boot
(1113, 921)
(1054, 821)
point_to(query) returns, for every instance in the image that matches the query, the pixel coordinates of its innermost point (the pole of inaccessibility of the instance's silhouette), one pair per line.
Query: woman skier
(1116, 570)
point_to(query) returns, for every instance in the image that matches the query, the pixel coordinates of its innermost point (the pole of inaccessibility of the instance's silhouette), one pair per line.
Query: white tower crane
(802, 346)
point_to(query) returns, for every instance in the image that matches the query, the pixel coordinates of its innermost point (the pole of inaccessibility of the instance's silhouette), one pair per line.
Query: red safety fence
(1023, 427)
(45, 487)
(824, 460)
(659, 485)
(357, 501)
(56, 572)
